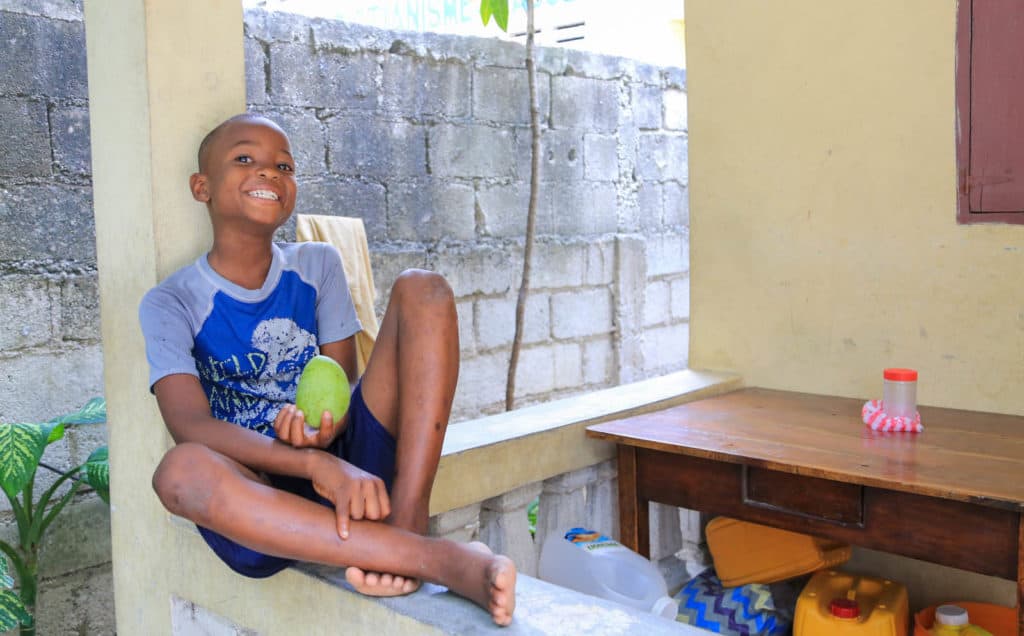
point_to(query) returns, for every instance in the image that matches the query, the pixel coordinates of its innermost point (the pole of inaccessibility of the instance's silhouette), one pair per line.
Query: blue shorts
(365, 443)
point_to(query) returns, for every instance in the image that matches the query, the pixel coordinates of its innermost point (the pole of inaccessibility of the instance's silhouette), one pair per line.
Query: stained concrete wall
(424, 137)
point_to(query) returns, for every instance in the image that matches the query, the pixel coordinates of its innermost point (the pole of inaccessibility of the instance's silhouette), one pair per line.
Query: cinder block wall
(426, 138)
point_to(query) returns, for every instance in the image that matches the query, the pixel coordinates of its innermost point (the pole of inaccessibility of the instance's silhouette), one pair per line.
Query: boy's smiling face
(246, 174)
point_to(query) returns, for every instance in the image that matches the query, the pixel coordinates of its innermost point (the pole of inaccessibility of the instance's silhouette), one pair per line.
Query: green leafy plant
(21, 452)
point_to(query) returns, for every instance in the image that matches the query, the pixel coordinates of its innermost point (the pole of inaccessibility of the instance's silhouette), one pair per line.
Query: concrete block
(431, 210)
(369, 147)
(647, 104)
(277, 26)
(25, 312)
(461, 524)
(482, 270)
(680, 295)
(57, 51)
(581, 313)
(561, 154)
(71, 145)
(306, 135)
(502, 95)
(81, 602)
(504, 527)
(666, 348)
(675, 109)
(191, 619)
(600, 158)
(650, 204)
(557, 265)
(656, 303)
(677, 205)
(346, 197)
(579, 209)
(535, 373)
(471, 151)
(673, 77)
(563, 503)
(495, 320)
(467, 339)
(598, 357)
(668, 254)
(501, 209)
(423, 88)
(24, 136)
(572, 481)
(78, 538)
(482, 381)
(568, 366)
(300, 76)
(257, 72)
(47, 222)
(662, 157)
(80, 309)
(581, 102)
(38, 386)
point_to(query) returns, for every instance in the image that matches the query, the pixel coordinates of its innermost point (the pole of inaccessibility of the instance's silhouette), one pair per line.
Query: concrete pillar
(461, 524)
(160, 75)
(506, 530)
(630, 285)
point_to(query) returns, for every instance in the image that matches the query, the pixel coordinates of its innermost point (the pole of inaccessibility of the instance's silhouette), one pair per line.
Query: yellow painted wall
(824, 242)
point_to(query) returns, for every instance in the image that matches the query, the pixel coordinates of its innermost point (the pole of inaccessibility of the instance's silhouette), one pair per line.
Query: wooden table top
(961, 455)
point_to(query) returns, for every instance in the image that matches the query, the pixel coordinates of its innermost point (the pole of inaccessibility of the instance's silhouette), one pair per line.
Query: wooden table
(953, 494)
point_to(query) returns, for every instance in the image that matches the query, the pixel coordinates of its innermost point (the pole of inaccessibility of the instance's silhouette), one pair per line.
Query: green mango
(323, 386)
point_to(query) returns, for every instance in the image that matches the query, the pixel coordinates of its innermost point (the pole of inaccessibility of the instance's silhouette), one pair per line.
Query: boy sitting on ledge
(226, 339)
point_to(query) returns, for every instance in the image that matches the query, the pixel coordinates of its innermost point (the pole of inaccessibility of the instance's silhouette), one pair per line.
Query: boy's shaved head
(211, 137)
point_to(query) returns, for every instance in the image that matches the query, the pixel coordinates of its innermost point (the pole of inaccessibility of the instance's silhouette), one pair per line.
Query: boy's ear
(199, 185)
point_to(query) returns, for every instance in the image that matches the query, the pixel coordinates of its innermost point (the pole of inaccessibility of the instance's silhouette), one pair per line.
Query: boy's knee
(424, 285)
(175, 473)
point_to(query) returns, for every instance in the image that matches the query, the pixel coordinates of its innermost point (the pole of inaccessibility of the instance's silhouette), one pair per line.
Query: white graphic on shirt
(282, 350)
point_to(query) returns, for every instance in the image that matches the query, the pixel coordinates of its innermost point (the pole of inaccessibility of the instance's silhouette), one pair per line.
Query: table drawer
(822, 499)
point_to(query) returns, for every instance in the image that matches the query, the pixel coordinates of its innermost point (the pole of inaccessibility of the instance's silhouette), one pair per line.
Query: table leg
(634, 519)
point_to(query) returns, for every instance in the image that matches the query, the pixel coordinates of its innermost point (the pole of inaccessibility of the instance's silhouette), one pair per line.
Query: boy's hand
(355, 493)
(290, 427)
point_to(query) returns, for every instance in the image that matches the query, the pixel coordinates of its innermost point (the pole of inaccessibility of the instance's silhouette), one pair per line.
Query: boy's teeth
(264, 194)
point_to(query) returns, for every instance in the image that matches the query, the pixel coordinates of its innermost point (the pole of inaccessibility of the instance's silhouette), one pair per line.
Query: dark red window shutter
(990, 105)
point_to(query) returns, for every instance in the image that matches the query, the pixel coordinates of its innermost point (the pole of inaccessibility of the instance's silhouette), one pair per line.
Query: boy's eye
(243, 159)
(285, 167)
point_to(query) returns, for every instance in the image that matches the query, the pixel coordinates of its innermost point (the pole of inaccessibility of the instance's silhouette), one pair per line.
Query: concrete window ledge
(483, 460)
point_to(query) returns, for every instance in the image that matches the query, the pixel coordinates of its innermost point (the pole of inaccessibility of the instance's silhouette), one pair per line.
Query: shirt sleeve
(335, 312)
(168, 335)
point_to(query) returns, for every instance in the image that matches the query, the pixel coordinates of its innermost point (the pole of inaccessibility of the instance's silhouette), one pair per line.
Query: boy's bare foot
(500, 585)
(378, 584)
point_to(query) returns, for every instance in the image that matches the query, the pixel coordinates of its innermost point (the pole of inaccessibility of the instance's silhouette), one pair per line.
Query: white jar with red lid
(899, 393)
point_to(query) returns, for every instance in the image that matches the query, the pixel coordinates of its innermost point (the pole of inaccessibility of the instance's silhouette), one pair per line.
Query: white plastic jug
(589, 562)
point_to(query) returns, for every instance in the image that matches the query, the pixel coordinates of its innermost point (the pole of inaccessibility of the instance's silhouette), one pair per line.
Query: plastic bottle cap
(844, 608)
(950, 615)
(666, 607)
(900, 375)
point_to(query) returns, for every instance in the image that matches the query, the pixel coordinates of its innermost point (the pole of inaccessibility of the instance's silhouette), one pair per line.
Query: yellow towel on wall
(349, 236)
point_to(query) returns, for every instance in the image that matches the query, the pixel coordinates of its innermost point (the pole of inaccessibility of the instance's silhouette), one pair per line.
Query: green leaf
(496, 8)
(531, 515)
(5, 579)
(97, 472)
(21, 447)
(12, 611)
(94, 412)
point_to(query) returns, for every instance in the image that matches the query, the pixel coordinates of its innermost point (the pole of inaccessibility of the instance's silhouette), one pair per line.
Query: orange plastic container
(1001, 621)
(840, 604)
(746, 552)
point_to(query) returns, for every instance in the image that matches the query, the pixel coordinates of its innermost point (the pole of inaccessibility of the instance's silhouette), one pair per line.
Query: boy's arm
(186, 412)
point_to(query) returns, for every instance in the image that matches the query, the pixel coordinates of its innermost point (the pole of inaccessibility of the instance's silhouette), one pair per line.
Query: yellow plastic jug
(835, 603)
